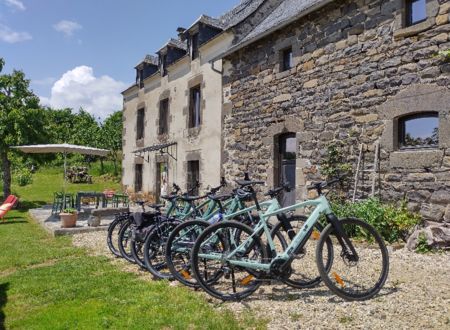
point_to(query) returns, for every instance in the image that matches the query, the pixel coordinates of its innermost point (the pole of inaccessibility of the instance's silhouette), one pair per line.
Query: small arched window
(419, 131)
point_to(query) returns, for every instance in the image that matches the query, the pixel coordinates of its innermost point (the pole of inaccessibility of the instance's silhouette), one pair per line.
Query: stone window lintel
(415, 99)
(403, 31)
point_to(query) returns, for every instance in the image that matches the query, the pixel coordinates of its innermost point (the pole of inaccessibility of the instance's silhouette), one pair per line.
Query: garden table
(90, 194)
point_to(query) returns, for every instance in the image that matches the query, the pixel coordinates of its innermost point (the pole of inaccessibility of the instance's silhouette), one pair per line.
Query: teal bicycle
(351, 256)
(181, 240)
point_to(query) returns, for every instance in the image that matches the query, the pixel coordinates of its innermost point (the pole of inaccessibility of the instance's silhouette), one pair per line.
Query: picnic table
(78, 174)
(91, 194)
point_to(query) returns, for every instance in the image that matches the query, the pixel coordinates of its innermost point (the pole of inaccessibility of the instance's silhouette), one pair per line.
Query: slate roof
(287, 12)
(208, 20)
(175, 43)
(150, 59)
(239, 13)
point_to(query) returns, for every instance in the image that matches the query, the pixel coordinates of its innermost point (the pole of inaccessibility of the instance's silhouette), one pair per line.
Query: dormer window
(194, 46)
(164, 65)
(416, 11)
(140, 78)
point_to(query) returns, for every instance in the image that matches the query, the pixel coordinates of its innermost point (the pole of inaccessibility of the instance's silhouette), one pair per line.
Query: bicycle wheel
(137, 252)
(124, 242)
(155, 249)
(215, 275)
(304, 267)
(113, 236)
(178, 250)
(353, 278)
(137, 245)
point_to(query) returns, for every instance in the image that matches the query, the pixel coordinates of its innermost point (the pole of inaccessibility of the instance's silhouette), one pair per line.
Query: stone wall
(356, 69)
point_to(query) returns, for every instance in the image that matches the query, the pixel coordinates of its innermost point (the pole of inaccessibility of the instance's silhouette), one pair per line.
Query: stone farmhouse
(271, 84)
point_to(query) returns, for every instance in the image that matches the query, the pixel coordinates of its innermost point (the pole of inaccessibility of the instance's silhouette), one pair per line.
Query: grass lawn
(46, 181)
(46, 283)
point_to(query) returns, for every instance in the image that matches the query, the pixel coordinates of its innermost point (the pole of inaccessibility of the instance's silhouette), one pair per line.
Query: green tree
(86, 130)
(60, 124)
(21, 118)
(111, 137)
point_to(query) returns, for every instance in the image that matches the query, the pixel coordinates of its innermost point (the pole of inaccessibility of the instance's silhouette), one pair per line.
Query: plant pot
(68, 220)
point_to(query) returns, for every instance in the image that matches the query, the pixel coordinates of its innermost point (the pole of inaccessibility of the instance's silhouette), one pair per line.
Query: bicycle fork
(347, 246)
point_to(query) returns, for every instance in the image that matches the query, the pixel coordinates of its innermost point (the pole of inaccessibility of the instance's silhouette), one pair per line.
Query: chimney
(181, 31)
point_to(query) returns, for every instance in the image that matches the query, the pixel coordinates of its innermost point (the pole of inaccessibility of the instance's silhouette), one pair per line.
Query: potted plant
(68, 218)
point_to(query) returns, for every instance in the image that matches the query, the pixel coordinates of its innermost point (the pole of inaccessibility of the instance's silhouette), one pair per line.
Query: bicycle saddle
(155, 206)
(220, 197)
(242, 194)
(190, 198)
(168, 197)
(245, 183)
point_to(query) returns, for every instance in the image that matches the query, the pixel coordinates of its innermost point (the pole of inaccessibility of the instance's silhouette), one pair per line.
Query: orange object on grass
(7, 205)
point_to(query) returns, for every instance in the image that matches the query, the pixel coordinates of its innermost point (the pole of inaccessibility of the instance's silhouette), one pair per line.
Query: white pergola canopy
(63, 148)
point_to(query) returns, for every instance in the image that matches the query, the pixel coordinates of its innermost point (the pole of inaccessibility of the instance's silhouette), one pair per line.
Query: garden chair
(7, 205)
(120, 198)
(58, 201)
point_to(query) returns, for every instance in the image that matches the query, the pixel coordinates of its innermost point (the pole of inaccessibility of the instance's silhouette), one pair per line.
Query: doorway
(162, 180)
(285, 159)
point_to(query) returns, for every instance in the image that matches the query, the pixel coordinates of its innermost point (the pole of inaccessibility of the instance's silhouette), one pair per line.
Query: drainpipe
(214, 69)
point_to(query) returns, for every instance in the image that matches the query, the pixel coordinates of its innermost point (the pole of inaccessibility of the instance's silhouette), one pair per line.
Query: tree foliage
(21, 118)
(111, 136)
(24, 121)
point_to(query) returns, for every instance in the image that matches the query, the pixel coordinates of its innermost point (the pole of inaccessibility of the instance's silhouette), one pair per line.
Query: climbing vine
(445, 55)
(335, 162)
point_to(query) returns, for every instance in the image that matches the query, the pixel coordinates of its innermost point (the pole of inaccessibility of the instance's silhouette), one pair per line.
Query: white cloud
(10, 36)
(79, 87)
(67, 27)
(16, 4)
(45, 101)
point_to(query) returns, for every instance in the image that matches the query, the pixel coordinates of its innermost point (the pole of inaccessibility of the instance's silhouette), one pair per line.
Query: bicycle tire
(136, 249)
(154, 249)
(304, 267)
(178, 250)
(249, 282)
(113, 231)
(373, 253)
(125, 242)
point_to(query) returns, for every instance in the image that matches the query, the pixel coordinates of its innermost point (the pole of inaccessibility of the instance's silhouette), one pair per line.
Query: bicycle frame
(321, 207)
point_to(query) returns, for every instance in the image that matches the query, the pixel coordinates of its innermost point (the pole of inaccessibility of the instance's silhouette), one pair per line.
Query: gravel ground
(415, 296)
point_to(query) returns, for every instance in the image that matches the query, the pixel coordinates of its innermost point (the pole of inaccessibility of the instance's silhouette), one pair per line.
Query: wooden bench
(97, 214)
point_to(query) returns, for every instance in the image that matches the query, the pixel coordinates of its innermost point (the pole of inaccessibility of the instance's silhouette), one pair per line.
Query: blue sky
(82, 53)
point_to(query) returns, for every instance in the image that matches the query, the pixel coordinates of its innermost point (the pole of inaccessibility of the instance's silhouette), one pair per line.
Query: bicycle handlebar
(276, 191)
(318, 186)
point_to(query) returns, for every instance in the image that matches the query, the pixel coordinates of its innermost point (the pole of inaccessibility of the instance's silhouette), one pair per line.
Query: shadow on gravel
(387, 291)
(290, 294)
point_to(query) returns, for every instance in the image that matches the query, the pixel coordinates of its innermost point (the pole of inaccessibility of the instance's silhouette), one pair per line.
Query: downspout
(213, 68)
